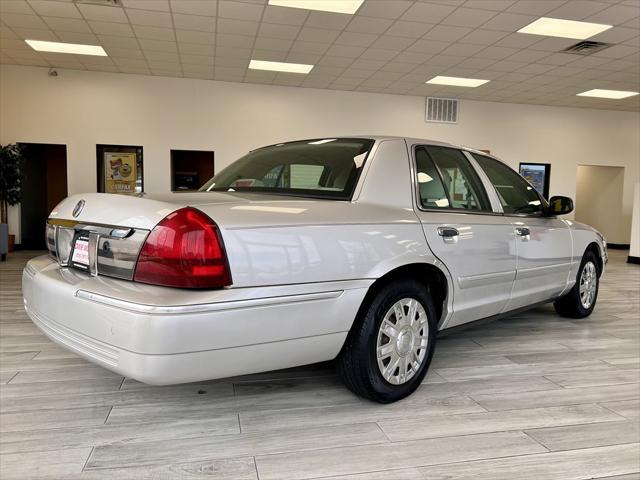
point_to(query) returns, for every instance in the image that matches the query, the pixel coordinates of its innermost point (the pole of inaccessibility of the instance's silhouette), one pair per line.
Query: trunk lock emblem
(78, 208)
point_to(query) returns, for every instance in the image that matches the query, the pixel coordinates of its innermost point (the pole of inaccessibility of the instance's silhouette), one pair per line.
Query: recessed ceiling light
(557, 27)
(457, 81)
(280, 66)
(599, 93)
(59, 47)
(336, 6)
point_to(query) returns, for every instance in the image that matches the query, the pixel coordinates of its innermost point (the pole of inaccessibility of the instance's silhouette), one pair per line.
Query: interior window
(432, 193)
(461, 184)
(516, 195)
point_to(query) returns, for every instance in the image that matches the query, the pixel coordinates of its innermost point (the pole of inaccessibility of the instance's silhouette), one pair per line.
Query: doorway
(45, 185)
(599, 201)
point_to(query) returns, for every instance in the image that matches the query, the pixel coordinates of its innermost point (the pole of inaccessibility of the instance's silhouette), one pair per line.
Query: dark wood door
(45, 185)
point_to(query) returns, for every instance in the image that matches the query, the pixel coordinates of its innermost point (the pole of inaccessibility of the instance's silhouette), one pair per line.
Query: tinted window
(516, 195)
(447, 180)
(319, 168)
(431, 189)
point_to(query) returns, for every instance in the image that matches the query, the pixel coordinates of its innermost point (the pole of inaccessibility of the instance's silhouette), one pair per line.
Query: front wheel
(389, 349)
(581, 299)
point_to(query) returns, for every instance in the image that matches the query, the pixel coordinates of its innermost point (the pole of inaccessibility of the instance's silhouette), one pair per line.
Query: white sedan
(354, 249)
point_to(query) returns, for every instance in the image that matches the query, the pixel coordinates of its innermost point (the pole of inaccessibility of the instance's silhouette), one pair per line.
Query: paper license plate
(81, 252)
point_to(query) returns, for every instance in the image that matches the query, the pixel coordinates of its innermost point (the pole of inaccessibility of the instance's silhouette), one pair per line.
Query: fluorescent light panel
(600, 93)
(457, 81)
(557, 27)
(336, 6)
(280, 66)
(59, 47)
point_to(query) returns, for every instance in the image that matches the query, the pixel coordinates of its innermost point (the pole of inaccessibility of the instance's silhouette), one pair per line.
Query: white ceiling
(389, 46)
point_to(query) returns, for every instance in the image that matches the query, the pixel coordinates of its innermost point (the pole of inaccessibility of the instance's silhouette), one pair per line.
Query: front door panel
(544, 260)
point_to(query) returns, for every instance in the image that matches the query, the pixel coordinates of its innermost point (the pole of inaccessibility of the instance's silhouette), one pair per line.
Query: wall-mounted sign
(537, 174)
(119, 169)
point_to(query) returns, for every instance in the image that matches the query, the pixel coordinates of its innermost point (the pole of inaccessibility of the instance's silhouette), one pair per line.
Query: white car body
(301, 269)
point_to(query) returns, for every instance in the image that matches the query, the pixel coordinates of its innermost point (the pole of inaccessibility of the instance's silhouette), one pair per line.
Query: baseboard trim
(633, 259)
(618, 246)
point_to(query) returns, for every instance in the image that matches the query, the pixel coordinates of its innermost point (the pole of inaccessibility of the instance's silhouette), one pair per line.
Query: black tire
(571, 305)
(357, 363)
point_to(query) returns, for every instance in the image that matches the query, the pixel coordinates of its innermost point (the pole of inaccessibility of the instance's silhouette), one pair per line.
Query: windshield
(316, 168)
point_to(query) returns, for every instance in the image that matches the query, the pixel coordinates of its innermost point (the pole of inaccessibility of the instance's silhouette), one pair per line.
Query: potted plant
(11, 160)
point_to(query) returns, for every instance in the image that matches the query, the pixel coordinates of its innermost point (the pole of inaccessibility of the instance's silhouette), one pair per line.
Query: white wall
(634, 251)
(81, 109)
(599, 201)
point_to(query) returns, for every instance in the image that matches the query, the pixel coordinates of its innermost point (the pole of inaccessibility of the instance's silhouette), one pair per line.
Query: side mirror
(560, 205)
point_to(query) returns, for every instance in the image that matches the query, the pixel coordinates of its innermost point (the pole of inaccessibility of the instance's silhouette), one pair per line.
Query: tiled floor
(533, 396)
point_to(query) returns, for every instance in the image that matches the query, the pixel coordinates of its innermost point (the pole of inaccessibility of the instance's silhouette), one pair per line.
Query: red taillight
(184, 250)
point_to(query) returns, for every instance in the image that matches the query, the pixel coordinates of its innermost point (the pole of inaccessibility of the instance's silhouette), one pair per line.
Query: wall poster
(119, 169)
(537, 174)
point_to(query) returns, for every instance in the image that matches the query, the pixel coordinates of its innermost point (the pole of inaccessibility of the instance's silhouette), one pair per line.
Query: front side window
(516, 195)
(447, 180)
(317, 168)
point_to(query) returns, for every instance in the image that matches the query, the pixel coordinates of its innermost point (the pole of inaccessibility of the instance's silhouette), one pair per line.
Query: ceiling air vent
(586, 47)
(442, 110)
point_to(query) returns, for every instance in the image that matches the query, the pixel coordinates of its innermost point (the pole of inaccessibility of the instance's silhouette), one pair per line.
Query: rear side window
(447, 180)
(516, 195)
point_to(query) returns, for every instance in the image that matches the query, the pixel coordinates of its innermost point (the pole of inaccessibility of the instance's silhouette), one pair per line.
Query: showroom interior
(153, 98)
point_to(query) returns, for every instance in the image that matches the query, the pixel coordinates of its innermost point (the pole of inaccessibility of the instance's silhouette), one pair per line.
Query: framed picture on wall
(120, 169)
(537, 174)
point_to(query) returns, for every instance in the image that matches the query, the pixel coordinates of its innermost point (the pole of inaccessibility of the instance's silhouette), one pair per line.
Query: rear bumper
(163, 336)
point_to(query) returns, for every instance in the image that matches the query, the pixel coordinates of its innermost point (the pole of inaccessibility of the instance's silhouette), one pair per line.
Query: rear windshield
(327, 167)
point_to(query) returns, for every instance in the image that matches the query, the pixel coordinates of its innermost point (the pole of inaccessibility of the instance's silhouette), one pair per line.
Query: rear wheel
(581, 299)
(389, 348)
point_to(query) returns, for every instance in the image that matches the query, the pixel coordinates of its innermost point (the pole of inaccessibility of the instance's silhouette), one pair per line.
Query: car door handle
(524, 233)
(448, 234)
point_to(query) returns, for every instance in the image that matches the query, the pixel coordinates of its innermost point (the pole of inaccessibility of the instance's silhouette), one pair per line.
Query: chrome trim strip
(542, 271)
(486, 279)
(204, 307)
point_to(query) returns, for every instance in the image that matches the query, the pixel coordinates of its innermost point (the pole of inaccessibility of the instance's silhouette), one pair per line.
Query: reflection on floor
(532, 396)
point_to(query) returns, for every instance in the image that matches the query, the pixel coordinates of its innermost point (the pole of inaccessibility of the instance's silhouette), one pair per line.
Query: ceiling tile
(233, 52)
(154, 33)
(402, 28)
(272, 30)
(368, 25)
(77, 37)
(616, 15)
(388, 42)
(428, 12)
(310, 47)
(264, 43)
(385, 8)
(157, 45)
(284, 15)
(379, 54)
(497, 53)
(553, 44)
(239, 10)
(508, 22)
(495, 5)
(239, 27)
(303, 57)
(309, 34)
(148, 17)
(124, 52)
(191, 36)
(118, 41)
(158, 5)
(111, 28)
(15, 6)
(67, 24)
(231, 40)
(332, 21)
(23, 21)
(446, 33)
(617, 51)
(196, 48)
(535, 7)
(518, 40)
(345, 51)
(195, 7)
(428, 46)
(577, 9)
(36, 34)
(468, 17)
(194, 22)
(356, 39)
(55, 9)
(196, 59)
(102, 13)
(462, 49)
(483, 37)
